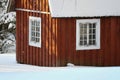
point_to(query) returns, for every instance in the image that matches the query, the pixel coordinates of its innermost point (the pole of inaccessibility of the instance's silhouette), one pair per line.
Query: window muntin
(88, 34)
(35, 31)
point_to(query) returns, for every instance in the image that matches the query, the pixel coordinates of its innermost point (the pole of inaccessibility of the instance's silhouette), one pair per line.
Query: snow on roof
(84, 8)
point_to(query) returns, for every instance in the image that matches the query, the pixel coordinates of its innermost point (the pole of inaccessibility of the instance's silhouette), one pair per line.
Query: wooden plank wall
(108, 55)
(46, 55)
(59, 40)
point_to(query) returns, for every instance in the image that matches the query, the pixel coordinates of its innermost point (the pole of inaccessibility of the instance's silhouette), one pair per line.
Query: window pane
(37, 39)
(85, 25)
(32, 22)
(81, 25)
(85, 42)
(90, 25)
(85, 37)
(37, 34)
(85, 30)
(90, 37)
(90, 42)
(33, 28)
(94, 42)
(81, 37)
(94, 31)
(90, 31)
(37, 29)
(38, 23)
(81, 31)
(81, 43)
(94, 25)
(94, 37)
(33, 33)
(32, 39)
(35, 22)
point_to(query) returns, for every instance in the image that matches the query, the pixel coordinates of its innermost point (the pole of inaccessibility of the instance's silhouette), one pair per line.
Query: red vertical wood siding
(46, 55)
(58, 38)
(107, 55)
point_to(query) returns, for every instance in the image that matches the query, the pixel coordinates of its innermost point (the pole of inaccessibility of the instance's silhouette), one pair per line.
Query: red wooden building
(57, 32)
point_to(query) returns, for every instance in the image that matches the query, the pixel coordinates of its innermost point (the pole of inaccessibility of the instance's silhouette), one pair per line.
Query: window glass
(34, 31)
(86, 36)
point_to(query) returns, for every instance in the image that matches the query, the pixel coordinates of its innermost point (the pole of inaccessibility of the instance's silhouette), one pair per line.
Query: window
(35, 31)
(88, 34)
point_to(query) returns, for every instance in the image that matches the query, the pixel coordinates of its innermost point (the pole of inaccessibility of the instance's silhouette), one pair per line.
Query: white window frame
(34, 43)
(84, 21)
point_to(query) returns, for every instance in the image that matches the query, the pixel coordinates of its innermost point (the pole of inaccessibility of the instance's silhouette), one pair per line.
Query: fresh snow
(8, 17)
(4, 7)
(10, 70)
(11, 25)
(84, 8)
(8, 44)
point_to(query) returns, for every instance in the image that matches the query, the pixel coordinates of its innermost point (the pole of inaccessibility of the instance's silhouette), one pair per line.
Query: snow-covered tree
(7, 24)
(7, 14)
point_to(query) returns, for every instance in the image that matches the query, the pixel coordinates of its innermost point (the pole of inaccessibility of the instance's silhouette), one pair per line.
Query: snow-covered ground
(10, 70)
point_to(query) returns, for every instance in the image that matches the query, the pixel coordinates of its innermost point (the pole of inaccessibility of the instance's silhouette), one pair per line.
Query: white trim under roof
(34, 11)
(84, 8)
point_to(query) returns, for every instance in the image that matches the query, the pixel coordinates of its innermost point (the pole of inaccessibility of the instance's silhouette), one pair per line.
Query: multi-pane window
(35, 31)
(88, 34)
